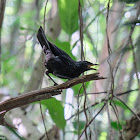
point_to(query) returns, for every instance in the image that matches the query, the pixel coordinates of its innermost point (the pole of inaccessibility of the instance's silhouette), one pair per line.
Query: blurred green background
(22, 68)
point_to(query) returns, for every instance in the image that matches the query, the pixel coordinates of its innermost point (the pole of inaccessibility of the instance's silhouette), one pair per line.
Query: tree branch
(42, 94)
(93, 118)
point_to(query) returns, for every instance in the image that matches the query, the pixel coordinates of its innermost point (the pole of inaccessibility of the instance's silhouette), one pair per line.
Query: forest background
(103, 32)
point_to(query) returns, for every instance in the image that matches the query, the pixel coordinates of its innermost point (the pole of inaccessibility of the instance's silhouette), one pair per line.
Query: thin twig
(96, 103)
(107, 16)
(126, 92)
(135, 63)
(46, 133)
(103, 92)
(82, 58)
(117, 94)
(85, 99)
(109, 121)
(93, 118)
(45, 15)
(117, 116)
(85, 30)
(78, 104)
(126, 44)
(127, 107)
(90, 23)
(111, 86)
(81, 29)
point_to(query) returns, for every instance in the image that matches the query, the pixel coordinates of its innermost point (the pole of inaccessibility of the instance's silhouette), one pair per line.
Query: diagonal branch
(42, 94)
(128, 107)
(93, 118)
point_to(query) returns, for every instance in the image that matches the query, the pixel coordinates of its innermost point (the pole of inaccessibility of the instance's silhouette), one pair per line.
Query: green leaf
(120, 104)
(76, 89)
(65, 46)
(68, 12)
(81, 126)
(56, 111)
(115, 125)
(138, 135)
(129, 1)
(22, 28)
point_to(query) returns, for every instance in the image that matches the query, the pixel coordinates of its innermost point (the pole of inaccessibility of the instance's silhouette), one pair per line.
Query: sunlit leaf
(116, 126)
(68, 12)
(56, 111)
(77, 89)
(81, 126)
(120, 104)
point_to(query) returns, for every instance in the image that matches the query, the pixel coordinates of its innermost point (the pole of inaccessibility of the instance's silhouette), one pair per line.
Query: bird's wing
(43, 41)
(64, 67)
(67, 61)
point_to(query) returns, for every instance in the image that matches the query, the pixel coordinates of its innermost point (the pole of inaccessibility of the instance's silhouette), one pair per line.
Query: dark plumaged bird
(58, 62)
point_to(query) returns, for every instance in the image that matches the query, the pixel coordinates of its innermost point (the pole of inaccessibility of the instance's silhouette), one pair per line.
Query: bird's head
(85, 65)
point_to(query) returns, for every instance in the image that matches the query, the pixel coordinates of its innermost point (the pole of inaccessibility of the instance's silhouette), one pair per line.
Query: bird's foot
(70, 79)
(55, 84)
(47, 73)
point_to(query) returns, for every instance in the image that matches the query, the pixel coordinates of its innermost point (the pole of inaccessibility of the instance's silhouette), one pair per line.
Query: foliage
(56, 111)
(20, 52)
(68, 12)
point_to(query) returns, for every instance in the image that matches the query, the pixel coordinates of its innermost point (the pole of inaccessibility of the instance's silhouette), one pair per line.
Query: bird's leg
(70, 79)
(47, 73)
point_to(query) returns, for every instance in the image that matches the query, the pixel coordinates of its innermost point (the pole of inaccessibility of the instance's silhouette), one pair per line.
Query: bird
(58, 62)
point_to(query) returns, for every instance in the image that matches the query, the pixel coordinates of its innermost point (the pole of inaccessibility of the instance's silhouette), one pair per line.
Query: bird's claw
(55, 84)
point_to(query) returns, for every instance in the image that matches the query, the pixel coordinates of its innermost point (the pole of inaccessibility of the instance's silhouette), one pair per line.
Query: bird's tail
(48, 45)
(42, 38)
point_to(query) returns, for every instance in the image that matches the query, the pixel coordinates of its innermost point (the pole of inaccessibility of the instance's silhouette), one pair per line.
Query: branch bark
(42, 94)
